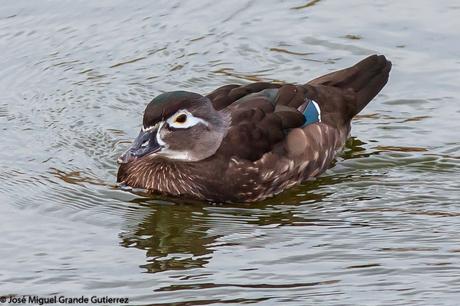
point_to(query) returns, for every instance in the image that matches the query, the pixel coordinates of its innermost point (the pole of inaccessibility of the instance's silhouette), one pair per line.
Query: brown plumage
(248, 142)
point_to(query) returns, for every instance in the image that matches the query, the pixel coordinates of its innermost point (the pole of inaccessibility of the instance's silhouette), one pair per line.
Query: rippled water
(381, 227)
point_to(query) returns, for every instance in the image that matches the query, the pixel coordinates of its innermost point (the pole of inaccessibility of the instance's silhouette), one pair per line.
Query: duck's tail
(359, 84)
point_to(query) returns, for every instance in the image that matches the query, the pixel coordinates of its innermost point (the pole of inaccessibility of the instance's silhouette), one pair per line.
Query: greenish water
(381, 227)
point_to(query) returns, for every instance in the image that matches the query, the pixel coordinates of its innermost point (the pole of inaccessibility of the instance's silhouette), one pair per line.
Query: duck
(245, 143)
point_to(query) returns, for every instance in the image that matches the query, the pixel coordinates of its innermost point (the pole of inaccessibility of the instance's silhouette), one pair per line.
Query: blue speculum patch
(312, 113)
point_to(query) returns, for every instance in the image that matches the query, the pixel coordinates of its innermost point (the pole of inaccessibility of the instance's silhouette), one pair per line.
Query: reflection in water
(308, 4)
(173, 237)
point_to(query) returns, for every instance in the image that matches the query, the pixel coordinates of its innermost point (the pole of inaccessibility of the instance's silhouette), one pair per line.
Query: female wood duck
(243, 143)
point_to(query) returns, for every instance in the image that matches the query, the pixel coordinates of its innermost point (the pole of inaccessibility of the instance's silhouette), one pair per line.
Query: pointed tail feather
(363, 80)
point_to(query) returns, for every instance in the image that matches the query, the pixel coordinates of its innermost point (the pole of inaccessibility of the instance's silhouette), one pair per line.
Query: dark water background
(379, 228)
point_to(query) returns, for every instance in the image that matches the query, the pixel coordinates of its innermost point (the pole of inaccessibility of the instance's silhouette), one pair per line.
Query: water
(379, 228)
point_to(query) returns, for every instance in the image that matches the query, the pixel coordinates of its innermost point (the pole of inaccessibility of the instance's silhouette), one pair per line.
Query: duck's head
(178, 125)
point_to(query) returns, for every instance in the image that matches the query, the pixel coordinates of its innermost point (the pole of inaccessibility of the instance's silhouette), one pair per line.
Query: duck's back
(281, 135)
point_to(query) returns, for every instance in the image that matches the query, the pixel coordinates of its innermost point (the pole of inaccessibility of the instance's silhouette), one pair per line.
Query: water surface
(381, 227)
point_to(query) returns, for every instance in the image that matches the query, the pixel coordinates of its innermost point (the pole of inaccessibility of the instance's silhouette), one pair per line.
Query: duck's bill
(145, 143)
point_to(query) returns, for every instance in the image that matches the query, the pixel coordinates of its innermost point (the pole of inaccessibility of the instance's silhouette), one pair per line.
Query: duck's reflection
(184, 235)
(174, 236)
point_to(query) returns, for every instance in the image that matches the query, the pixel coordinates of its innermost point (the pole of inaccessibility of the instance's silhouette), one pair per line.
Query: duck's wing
(228, 94)
(257, 124)
(263, 114)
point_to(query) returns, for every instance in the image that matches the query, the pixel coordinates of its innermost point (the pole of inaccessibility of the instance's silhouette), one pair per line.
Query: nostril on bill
(144, 144)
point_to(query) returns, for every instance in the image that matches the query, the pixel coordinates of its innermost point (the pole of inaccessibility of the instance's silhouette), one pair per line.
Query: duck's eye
(181, 118)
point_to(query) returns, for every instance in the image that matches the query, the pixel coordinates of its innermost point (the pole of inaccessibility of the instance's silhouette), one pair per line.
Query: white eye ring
(189, 120)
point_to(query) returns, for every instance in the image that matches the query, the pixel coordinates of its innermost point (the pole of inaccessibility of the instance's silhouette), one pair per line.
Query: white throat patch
(158, 137)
